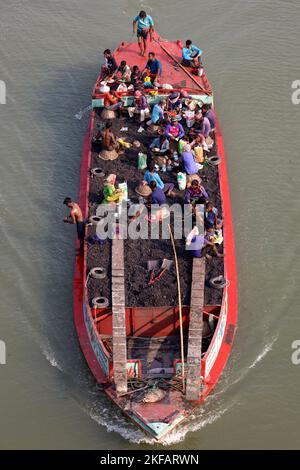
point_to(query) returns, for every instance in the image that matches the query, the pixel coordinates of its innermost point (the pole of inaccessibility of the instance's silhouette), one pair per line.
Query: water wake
(82, 112)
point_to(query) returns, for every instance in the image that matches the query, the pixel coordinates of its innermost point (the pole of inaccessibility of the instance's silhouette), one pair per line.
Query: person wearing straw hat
(143, 189)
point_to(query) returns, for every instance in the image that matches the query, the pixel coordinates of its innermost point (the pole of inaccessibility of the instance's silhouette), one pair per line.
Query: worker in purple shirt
(202, 125)
(174, 131)
(195, 194)
(158, 196)
(189, 164)
(209, 113)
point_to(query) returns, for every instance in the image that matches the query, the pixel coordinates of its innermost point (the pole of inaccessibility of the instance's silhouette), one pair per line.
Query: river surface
(50, 54)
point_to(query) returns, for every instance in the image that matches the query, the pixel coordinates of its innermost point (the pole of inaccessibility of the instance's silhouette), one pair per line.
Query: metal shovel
(165, 266)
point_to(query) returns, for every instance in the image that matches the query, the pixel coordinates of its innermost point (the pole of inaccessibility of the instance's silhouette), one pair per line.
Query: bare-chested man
(75, 217)
(109, 140)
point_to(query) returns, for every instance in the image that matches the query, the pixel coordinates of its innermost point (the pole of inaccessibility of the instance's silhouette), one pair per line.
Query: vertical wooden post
(118, 316)
(196, 321)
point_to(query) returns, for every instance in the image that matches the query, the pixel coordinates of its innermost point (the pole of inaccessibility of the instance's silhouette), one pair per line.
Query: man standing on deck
(143, 23)
(191, 55)
(75, 217)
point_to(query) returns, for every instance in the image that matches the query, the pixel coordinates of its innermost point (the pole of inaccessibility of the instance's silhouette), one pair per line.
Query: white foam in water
(82, 112)
(49, 355)
(264, 352)
(113, 421)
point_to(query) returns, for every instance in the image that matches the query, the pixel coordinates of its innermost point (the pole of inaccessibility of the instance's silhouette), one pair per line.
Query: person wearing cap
(191, 55)
(153, 68)
(139, 106)
(174, 102)
(195, 193)
(174, 130)
(143, 25)
(189, 164)
(152, 175)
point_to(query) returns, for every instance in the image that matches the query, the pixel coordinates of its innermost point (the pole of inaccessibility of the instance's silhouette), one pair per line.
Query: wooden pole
(180, 311)
(183, 68)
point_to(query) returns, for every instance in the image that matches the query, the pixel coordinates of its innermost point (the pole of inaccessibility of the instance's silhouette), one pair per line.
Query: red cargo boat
(134, 350)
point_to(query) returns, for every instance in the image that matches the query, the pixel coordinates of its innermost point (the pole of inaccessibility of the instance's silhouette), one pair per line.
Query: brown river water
(50, 54)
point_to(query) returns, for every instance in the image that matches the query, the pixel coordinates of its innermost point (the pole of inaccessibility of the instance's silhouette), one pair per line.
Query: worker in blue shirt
(143, 24)
(191, 55)
(153, 67)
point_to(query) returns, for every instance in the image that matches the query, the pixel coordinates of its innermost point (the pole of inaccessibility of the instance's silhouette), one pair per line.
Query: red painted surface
(172, 74)
(135, 323)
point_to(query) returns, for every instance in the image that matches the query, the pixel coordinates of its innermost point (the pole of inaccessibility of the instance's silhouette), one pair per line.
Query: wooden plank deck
(119, 319)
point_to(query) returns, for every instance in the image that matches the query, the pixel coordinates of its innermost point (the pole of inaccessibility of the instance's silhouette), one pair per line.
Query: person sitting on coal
(199, 246)
(123, 72)
(158, 196)
(152, 175)
(158, 113)
(112, 99)
(189, 164)
(139, 107)
(160, 145)
(211, 219)
(153, 68)
(195, 193)
(136, 77)
(174, 102)
(109, 67)
(109, 140)
(202, 125)
(209, 113)
(174, 131)
(110, 193)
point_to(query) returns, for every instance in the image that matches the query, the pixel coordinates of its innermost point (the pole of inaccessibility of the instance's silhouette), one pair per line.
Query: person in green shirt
(110, 193)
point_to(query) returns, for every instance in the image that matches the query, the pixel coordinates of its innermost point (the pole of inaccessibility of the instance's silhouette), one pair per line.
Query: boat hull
(217, 355)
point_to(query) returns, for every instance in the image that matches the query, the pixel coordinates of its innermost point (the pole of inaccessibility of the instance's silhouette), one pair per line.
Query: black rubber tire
(98, 172)
(214, 160)
(218, 282)
(94, 219)
(100, 302)
(98, 273)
